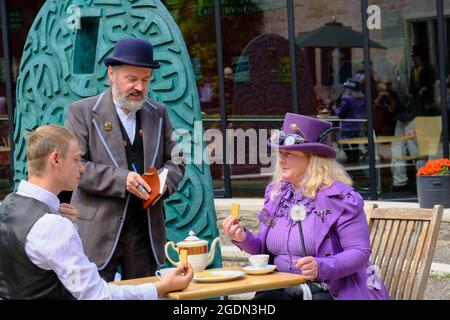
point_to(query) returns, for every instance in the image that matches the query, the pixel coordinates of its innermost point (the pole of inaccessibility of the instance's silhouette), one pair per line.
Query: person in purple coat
(312, 222)
(352, 107)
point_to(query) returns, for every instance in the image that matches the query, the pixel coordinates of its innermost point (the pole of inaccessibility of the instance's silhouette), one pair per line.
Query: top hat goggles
(280, 138)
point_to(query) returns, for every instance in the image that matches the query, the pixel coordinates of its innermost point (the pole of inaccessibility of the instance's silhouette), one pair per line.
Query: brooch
(267, 219)
(298, 212)
(321, 213)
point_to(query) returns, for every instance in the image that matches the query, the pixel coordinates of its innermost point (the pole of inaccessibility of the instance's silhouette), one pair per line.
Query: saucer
(268, 269)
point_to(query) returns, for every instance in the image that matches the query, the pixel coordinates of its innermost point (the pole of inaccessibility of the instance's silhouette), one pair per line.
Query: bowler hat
(305, 134)
(133, 52)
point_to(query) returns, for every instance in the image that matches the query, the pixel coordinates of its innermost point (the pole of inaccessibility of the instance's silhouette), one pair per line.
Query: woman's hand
(308, 267)
(68, 211)
(234, 229)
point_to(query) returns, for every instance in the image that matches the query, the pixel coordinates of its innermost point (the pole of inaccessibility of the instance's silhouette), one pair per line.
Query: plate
(268, 269)
(217, 275)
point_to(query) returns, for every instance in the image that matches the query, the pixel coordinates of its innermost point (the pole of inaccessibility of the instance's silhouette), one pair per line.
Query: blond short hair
(43, 141)
(321, 173)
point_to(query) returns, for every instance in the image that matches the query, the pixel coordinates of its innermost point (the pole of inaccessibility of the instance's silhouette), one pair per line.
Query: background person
(403, 115)
(352, 107)
(421, 84)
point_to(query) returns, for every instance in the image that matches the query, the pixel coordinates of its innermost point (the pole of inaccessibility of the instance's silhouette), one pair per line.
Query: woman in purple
(330, 245)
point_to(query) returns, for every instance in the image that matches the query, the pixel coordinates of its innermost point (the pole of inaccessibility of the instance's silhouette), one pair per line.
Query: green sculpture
(63, 62)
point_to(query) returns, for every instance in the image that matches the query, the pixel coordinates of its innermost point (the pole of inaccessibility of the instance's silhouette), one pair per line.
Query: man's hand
(68, 211)
(176, 280)
(422, 91)
(137, 186)
(411, 133)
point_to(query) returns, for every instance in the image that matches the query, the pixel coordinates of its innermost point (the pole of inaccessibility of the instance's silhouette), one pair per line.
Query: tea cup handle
(158, 274)
(166, 248)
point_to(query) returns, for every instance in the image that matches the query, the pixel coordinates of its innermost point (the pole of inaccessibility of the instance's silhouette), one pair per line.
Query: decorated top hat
(305, 134)
(134, 52)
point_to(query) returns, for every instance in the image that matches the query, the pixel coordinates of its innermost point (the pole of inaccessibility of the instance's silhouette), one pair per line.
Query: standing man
(120, 132)
(421, 83)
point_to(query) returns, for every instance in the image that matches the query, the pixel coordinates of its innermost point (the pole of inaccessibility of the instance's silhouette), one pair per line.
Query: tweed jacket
(101, 198)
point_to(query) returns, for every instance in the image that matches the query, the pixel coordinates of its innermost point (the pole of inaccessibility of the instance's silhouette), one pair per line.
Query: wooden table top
(379, 139)
(246, 283)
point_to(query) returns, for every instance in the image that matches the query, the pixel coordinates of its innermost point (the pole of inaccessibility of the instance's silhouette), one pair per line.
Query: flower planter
(433, 190)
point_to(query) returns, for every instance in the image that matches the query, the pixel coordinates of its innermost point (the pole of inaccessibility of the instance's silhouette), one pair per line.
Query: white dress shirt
(128, 121)
(53, 243)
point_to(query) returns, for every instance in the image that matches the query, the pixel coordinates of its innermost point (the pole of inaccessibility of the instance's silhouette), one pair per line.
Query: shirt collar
(30, 190)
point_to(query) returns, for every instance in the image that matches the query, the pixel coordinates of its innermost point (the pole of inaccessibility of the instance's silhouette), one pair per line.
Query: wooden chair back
(428, 135)
(403, 242)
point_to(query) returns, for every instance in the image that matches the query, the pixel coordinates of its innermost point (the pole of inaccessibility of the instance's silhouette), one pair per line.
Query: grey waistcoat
(19, 277)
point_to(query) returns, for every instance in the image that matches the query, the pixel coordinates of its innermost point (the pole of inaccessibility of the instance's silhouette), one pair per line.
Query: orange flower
(436, 167)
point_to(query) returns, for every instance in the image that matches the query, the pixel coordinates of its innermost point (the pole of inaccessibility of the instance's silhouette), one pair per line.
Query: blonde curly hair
(321, 173)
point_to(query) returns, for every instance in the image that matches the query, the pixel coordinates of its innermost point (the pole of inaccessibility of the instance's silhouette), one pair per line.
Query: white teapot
(198, 255)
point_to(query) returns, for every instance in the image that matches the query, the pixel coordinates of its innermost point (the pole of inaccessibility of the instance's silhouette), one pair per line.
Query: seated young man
(41, 254)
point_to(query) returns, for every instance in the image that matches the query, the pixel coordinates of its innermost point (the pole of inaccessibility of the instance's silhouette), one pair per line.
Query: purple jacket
(342, 243)
(351, 108)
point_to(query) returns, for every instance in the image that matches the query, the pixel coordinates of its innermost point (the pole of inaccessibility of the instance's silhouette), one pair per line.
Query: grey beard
(124, 103)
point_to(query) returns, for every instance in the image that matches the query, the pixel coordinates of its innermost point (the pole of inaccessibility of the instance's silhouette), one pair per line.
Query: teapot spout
(212, 251)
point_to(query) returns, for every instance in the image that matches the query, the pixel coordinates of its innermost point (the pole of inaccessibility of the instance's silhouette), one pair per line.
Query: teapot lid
(191, 241)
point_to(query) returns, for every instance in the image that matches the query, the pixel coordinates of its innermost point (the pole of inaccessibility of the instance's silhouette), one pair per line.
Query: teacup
(259, 261)
(161, 273)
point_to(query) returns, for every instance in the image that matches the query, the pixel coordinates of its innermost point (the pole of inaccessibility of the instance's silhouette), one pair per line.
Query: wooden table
(378, 139)
(246, 283)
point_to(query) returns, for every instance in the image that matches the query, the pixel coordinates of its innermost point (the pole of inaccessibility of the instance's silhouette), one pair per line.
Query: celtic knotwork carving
(49, 82)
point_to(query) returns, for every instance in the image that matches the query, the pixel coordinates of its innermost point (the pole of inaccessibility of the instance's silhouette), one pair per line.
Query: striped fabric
(283, 239)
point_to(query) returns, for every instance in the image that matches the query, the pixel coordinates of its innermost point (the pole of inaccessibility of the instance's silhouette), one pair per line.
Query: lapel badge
(107, 126)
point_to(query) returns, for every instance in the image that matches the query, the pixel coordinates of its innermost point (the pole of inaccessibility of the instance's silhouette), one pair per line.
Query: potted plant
(433, 183)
